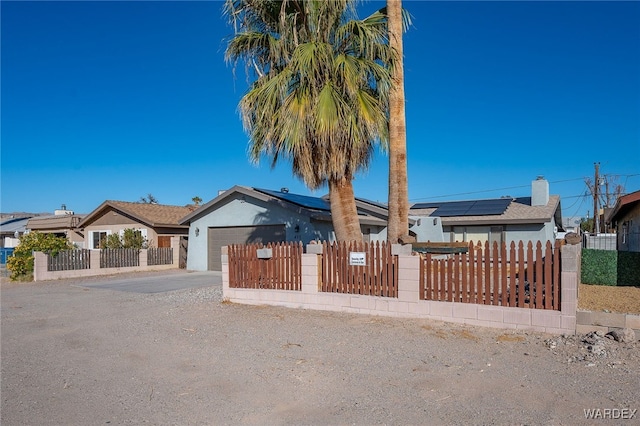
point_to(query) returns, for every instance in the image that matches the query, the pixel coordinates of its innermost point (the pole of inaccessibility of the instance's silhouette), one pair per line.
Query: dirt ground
(78, 356)
(625, 300)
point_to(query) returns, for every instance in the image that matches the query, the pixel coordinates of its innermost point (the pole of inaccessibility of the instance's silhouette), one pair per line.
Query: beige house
(157, 222)
(63, 223)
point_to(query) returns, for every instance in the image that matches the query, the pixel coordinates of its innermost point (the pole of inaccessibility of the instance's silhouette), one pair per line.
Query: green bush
(131, 238)
(21, 262)
(599, 267)
(628, 268)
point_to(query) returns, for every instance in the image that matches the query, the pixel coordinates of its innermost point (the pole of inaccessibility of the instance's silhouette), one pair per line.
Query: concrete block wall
(40, 272)
(587, 321)
(408, 303)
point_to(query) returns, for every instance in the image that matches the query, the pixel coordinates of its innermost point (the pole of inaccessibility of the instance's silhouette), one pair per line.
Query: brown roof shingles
(154, 214)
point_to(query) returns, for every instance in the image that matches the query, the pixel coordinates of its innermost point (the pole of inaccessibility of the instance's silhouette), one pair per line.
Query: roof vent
(284, 190)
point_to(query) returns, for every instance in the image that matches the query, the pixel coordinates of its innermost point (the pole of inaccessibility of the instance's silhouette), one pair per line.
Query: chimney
(539, 192)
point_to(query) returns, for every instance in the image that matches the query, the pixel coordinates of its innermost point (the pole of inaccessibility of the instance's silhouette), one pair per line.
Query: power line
(489, 190)
(580, 206)
(578, 199)
(626, 176)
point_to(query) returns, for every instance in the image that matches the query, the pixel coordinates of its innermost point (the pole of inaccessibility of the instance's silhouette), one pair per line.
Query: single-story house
(158, 223)
(243, 215)
(535, 218)
(625, 218)
(62, 223)
(11, 229)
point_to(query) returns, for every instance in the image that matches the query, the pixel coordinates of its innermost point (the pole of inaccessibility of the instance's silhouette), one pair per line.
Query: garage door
(219, 237)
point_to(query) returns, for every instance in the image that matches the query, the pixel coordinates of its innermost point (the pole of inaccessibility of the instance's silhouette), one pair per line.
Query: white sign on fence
(357, 258)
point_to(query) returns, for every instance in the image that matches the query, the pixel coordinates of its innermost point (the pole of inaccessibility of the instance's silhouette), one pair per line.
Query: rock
(572, 238)
(598, 350)
(407, 239)
(626, 335)
(600, 333)
(591, 338)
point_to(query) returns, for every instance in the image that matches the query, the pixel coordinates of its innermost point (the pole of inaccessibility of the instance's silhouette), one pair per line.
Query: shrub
(599, 267)
(628, 268)
(130, 238)
(111, 241)
(21, 263)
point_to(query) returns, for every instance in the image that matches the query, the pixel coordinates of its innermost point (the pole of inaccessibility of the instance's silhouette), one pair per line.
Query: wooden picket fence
(160, 256)
(517, 277)
(68, 260)
(281, 271)
(378, 277)
(119, 258)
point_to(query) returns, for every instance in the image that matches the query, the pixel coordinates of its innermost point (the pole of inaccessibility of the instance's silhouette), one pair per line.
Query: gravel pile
(618, 349)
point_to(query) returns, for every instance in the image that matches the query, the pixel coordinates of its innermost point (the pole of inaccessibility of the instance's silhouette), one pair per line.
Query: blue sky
(115, 100)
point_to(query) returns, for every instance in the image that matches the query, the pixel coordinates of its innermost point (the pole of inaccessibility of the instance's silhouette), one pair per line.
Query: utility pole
(596, 214)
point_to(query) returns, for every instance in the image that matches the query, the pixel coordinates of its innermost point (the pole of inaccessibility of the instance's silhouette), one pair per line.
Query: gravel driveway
(74, 355)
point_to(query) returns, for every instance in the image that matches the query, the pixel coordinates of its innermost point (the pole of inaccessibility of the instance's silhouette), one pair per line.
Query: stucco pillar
(224, 259)
(569, 278)
(39, 266)
(143, 260)
(408, 278)
(310, 273)
(311, 262)
(94, 259)
(175, 247)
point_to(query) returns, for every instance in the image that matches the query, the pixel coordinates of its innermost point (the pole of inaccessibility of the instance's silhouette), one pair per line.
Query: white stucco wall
(511, 233)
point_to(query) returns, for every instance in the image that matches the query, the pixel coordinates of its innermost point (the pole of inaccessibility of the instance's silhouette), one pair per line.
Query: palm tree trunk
(398, 222)
(344, 213)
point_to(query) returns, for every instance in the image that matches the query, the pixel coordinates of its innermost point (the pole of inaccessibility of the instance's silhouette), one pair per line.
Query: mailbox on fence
(264, 253)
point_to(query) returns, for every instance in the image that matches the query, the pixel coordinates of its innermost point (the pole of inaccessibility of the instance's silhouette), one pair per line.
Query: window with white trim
(96, 238)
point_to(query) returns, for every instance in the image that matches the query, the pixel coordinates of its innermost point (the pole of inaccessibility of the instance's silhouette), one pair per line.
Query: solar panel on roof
(300, 200)
(472, 208)
(425, 205)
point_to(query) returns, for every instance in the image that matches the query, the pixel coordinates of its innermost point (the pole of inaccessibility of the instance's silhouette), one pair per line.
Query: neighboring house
(11, 230)
(157, 222)
(244, 215)
(62, 223)
(625, 218)
(572, 224)
(535, 218)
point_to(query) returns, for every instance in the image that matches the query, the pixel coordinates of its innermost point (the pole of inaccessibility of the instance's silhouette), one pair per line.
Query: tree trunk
(398, 222)
(343, 211)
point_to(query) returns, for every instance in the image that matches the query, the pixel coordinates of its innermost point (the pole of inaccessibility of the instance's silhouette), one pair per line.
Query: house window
(97, 237)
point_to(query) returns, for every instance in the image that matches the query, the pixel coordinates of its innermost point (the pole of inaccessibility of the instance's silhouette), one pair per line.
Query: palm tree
(398, 225)
(320, 95)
